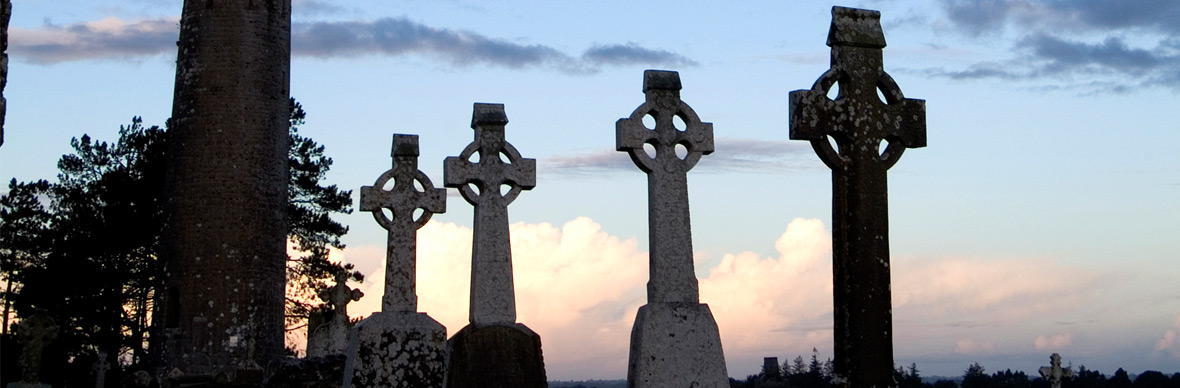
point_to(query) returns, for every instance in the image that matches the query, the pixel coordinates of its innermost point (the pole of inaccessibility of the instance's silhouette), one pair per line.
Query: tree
(908, 377)
(1151, 379)
(23, 242)
(1120, 379)
(90, 258)
(976, 377)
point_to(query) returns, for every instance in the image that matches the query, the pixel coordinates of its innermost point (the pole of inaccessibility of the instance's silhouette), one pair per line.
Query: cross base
(676, 345)
(396, 349)
(494, 356)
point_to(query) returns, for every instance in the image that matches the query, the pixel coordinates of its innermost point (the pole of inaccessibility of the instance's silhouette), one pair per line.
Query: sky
(1041, 217)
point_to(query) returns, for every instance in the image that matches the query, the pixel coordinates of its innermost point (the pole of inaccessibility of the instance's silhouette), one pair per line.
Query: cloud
(730, 155)
(579, 287)
(108, 38)
(1171, 340)
(576, 286)
(632, 54)
(763, 305)
(969, 346)
(1056, 341)
(112, 38)
(1096, 59)
(315, 7)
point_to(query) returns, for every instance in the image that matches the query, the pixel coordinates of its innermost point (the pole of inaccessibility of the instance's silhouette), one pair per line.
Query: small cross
(490, 184)
(859, 122)
(671, 275)
(101, 366)
(402, 200)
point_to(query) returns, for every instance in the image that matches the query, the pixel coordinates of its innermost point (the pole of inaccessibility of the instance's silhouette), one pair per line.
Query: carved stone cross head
(411, 189)
(857, 119)
(662, 93)
(490, 162)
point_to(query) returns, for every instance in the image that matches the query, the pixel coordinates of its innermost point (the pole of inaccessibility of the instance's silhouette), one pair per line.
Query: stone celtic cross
(411, 190)
(1054, 372)
(671, 276)
(859, 123)
(490, 184)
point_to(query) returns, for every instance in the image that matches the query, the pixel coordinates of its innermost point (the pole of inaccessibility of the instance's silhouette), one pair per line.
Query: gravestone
(399, 347)
(101, 366)
(859, 123)
(493, 350)
(35, 333)
(224, 245)
(1054, 372)
(331, 337)
(675, 341)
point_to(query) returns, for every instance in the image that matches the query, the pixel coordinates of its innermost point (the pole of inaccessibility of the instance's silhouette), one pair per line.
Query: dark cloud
(632, 54)
(1078, 45)
(114, 39)
(730, 155)
(108, 38)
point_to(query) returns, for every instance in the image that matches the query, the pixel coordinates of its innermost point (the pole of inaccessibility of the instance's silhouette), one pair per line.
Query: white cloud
(1056, 341)
(580, 287)
(1171, 340)
(969, 346)
(769, 305)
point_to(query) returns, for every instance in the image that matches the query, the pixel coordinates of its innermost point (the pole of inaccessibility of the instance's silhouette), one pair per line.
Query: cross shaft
(402, 237)
(493, 298)
(671, 274)
(859, 122)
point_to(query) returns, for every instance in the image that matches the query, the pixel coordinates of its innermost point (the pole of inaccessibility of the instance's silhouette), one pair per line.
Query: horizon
(1041, 217)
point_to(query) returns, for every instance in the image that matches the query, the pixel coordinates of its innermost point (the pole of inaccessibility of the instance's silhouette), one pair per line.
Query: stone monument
(772, 375)
(1054, 372)
(331, 337)
(859, 123)
(101, 366)
(675, 342)
(492, 350)
(35, 332)
(220, 311)
(399, 346)
(5, 14)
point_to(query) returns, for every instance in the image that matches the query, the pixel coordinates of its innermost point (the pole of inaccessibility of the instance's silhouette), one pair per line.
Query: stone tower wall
(225, 245)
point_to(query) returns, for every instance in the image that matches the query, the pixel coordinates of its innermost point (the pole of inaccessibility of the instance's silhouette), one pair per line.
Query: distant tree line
(816, 374)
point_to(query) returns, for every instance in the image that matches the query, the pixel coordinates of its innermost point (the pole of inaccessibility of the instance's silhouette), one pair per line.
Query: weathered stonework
(399, 347)
(496, 356)
(859, 123)
(396, 349)
(221, 309)
(493, 350)
(675, 341)
(676, 344)
(331, 337)
(5, 15)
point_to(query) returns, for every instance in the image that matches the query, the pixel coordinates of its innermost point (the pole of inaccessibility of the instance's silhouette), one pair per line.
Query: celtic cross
(411, 190)
(859, 123)
(671, 276)
(489, 184)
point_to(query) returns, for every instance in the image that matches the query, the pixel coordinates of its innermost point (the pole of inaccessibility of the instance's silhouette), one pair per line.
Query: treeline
(798, 373)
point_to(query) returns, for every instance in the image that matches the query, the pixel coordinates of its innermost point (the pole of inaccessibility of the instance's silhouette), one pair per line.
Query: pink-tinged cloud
(1012, 288)
(579, 287)
(767, 306)
(1056, 341)
(969, 346)
(1170, 343)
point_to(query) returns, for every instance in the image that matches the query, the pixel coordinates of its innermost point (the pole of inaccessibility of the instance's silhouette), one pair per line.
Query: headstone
(101, 366)
(35, 333)
(225, 240)
(1054, 372)
(859, 123)
(493, 350)
(399, 347)
(675, 342)
(331, 337)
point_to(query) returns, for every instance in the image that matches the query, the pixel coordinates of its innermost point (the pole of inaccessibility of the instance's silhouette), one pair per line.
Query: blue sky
(1041, 218)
